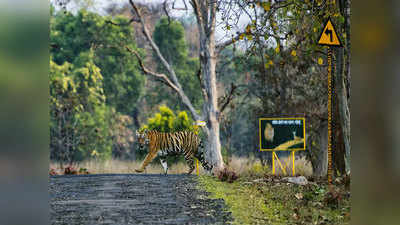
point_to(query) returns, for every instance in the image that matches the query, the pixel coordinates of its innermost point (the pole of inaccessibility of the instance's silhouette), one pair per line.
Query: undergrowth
(267, 200)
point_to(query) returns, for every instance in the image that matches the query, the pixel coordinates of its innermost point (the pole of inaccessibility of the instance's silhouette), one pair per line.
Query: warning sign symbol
(329, 36)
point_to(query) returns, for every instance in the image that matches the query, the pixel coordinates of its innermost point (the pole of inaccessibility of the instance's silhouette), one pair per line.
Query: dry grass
(245, 166)
(126, 167)
(241, 165)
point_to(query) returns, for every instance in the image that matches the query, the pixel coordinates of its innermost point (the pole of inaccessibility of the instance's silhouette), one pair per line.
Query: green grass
(275, 203)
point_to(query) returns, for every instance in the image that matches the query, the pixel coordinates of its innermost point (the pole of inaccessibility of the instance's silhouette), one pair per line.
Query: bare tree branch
(200, 20)
(168, 67)
(184, 2)
(228, 98)
(203, 90)
(213, 14)
(122, 24)
(165, 8)
(225, 44)
(160, 76)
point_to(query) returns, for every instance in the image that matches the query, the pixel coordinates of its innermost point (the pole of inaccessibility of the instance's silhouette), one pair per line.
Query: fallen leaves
(299, 196)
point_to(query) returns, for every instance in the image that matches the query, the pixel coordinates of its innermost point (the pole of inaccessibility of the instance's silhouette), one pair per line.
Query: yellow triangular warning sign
(329, 35)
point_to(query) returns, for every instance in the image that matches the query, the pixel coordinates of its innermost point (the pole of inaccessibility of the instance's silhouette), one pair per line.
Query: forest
(249, 77)
(164, 65)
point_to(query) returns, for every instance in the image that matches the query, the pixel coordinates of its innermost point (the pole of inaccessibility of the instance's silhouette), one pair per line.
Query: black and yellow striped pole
(329, 38)
(329, 115)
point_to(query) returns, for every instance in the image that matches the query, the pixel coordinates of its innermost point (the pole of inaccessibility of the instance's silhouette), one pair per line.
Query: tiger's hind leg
(190, 162)
(206, 165)
(164, 165)
(163, 160)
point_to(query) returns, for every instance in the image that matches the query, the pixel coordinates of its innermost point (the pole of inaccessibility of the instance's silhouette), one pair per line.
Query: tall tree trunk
(343, 84)
(206, 13)
(320, 165)
(346, 85)
(339, 152)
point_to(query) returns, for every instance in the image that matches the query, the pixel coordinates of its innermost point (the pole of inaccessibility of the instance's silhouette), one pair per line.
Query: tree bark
(346, 86)
(343, 85)
(206, 15)
(320, 166)
(343, 117)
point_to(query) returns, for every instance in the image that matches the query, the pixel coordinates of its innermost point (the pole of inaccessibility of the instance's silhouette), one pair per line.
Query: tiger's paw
(139, 170)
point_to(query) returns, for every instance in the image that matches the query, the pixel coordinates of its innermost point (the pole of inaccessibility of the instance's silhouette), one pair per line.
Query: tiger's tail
(201, 157)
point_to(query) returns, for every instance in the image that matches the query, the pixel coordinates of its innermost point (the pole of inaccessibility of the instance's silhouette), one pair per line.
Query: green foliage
(74, 36)
(167, 121)
(78, 114)
(171, 40)
(94, 130)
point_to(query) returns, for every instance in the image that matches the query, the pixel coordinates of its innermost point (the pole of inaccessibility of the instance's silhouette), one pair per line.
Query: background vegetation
(100, 95)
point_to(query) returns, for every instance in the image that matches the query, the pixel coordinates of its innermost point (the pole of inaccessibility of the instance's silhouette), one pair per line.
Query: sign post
(329, 38)
(282, 134)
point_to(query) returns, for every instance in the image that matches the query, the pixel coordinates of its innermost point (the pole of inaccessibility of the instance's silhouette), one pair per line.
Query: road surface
(132, 199)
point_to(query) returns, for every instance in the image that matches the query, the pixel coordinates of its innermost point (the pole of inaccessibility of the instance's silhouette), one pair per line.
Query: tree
(208, 76)
(78, 115)
(292, 68)
(170, 36)
(206, 16)
(93, 82)
(343, 84)
(70, 35)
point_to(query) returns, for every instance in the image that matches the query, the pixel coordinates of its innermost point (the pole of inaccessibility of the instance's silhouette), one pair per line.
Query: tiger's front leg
(190, 162)
(150, 156)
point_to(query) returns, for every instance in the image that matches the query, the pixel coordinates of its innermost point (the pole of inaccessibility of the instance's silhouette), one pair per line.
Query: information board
(282, 134)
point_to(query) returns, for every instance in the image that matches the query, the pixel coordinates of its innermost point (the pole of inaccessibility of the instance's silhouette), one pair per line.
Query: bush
(70, 170)
(52, 172)
(166, 121)
(227, 175)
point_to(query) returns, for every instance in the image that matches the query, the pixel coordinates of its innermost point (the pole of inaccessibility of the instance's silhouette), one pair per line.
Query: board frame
(282, 118)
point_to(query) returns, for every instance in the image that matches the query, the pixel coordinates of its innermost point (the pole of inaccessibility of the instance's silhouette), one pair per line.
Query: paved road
(132, 199)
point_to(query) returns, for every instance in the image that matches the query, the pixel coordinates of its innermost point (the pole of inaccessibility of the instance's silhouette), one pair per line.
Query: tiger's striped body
(184, 143)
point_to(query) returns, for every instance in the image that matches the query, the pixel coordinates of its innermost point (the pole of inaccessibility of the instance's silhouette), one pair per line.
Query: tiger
(175, 143)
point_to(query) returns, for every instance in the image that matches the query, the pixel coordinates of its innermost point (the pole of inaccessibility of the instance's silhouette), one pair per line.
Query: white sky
(100, 5)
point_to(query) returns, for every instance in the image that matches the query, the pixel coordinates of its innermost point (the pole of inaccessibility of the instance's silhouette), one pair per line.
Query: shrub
(52, 172)
(166, 121)
(69, 170)
(227, 175)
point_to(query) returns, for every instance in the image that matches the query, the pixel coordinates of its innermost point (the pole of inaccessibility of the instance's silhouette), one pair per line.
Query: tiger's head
(142, 139)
